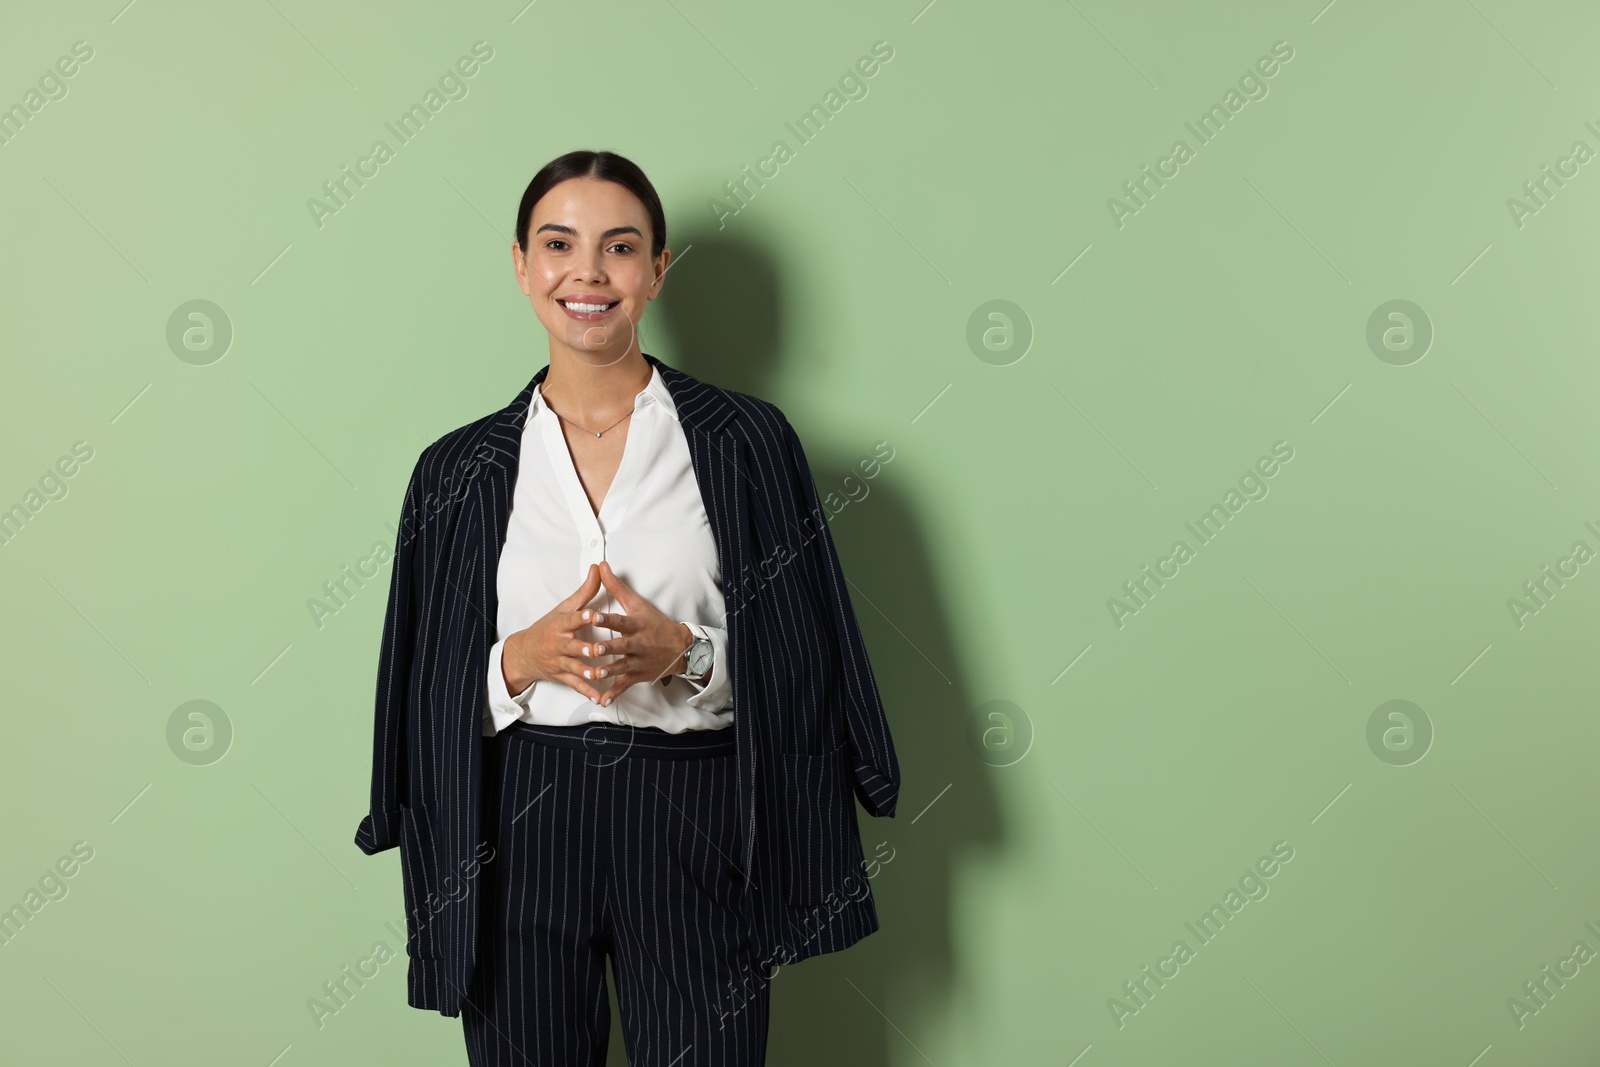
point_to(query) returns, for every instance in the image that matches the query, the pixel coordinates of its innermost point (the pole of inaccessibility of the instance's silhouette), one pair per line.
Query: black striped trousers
(619, 841)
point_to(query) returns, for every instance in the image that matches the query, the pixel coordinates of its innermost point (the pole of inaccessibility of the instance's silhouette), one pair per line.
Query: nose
(593, 269)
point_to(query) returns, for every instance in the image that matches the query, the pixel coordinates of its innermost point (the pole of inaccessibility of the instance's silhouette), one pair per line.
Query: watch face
(699, 656)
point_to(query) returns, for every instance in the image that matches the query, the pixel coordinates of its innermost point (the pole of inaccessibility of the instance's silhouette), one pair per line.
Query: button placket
(595, 552)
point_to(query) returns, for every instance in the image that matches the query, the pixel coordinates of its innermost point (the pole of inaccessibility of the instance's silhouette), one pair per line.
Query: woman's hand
(652, 646)
(548, 649)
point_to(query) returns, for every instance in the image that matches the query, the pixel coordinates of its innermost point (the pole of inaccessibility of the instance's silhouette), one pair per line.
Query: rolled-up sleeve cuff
(877, 791)
(380, 830)
(717, 693)
(501, 709)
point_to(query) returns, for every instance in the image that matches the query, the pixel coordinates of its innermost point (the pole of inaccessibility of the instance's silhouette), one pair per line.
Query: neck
(589, 388)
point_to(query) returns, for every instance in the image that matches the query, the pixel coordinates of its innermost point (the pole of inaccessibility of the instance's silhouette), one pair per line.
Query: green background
(1047, 848)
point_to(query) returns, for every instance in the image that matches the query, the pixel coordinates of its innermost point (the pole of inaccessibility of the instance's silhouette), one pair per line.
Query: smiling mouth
(587, 309)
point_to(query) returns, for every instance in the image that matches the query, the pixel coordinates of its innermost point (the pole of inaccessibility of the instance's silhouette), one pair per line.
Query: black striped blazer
(810, 725)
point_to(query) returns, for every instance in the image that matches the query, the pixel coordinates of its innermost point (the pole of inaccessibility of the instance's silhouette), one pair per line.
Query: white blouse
(653, 529)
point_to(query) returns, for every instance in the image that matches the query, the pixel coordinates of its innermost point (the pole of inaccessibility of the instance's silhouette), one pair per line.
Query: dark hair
(606, 166)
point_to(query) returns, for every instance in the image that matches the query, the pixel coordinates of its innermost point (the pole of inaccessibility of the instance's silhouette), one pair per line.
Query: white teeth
(584, 307)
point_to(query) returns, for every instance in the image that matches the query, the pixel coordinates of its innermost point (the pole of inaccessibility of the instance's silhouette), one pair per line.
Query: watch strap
(699, 635)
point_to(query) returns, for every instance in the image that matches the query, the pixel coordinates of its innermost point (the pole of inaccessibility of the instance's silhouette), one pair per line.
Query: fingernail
(586, 615)
(601, 649)
(585, 650)
(586, 674)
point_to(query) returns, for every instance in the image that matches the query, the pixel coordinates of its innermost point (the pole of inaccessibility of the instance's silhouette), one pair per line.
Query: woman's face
(589, 244)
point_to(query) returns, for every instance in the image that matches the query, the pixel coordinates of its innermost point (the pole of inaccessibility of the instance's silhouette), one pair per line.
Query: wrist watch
(699, 655)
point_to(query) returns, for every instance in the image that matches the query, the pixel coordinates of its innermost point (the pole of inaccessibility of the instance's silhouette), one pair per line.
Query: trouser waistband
(613, 741)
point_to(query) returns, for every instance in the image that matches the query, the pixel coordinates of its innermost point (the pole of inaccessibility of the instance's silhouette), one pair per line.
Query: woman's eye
(622, 245)
(552, 243)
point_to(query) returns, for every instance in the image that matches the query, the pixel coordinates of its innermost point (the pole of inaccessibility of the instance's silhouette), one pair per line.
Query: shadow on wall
(722, 307)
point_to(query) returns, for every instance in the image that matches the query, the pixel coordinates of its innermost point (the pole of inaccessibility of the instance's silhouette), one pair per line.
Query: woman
(669, 741)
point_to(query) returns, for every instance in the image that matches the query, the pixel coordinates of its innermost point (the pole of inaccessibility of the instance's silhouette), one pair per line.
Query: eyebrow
(614, 231)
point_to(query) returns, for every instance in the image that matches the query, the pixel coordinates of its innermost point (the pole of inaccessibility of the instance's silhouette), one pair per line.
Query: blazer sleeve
(380, 830)
(875, 770)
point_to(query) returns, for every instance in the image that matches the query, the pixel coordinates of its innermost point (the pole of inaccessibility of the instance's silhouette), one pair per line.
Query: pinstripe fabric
(622, 851)
(809, 725)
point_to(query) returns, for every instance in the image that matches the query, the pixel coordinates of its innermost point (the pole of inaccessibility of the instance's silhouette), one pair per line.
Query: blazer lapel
(718, 457)
(502, 439)
(719, 466)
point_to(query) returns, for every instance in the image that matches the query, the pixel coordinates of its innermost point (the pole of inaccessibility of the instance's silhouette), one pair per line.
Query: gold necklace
(569, 422)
